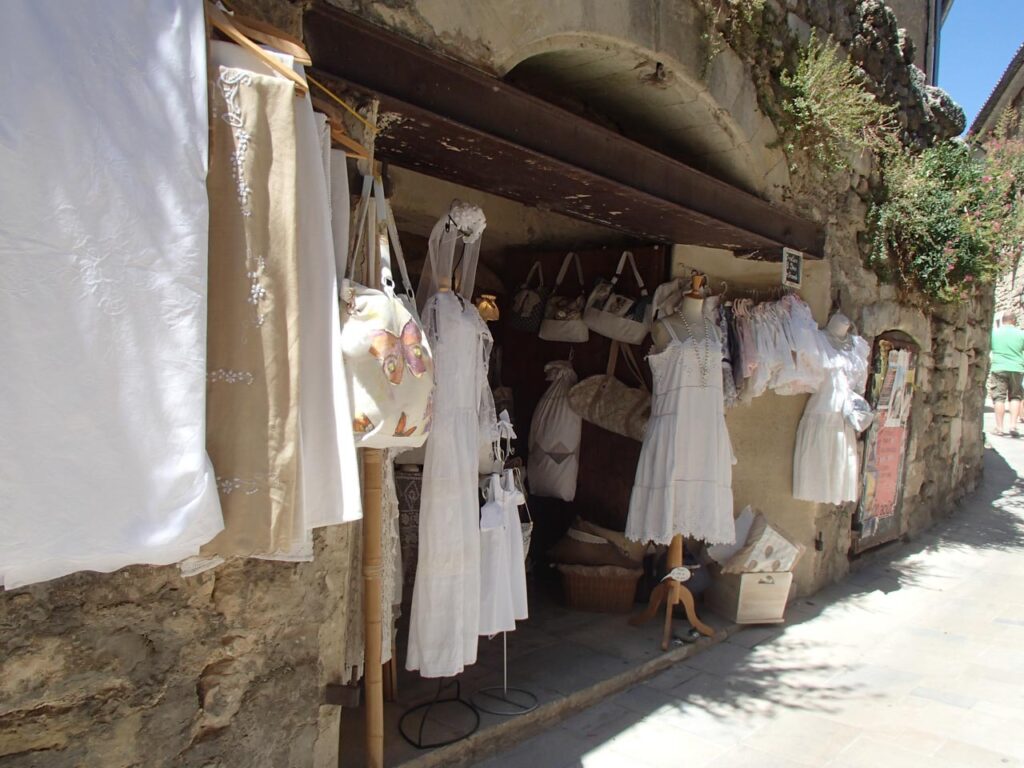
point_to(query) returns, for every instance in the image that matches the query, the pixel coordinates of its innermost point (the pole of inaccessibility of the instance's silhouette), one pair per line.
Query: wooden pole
(373, 673)
(373, 459)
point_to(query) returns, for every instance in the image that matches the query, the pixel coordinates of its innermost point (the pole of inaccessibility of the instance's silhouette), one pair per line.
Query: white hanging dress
(826, 465)
(684, 475)
(445, 619)
(502, 561)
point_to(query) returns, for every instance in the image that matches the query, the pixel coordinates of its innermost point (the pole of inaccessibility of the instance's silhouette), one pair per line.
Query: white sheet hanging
(103, 238)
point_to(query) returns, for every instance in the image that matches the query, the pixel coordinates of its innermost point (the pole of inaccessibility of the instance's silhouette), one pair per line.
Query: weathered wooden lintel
(446, 119)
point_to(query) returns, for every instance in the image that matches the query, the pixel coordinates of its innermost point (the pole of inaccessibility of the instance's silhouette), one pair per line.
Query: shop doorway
(891, 385)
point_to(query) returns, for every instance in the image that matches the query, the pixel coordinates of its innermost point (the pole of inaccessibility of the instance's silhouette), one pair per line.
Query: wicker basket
(600, 588)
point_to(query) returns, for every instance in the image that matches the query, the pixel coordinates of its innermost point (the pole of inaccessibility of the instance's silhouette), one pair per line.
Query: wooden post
(373, 673)
(373, 465)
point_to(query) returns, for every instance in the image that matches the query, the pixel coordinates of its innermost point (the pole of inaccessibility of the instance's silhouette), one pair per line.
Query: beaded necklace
(703, 364)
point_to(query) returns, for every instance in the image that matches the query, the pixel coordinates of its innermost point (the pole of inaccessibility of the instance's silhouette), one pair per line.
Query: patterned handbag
(616, 316)
(563, 315)
(388, 362)
(528, 303)
(609, 403)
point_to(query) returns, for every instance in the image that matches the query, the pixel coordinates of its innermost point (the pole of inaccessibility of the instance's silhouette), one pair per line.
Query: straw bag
(528, 303)
(610, 404)
(563, 315)
(388, 362)
(616, 316)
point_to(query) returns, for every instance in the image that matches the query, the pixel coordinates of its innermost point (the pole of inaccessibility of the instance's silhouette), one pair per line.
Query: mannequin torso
(687, 321)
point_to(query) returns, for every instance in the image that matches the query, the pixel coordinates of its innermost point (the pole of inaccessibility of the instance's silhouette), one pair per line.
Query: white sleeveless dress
(502, 562)
(684, 476)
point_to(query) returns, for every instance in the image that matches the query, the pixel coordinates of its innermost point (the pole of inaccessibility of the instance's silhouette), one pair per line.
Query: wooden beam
(449, 120)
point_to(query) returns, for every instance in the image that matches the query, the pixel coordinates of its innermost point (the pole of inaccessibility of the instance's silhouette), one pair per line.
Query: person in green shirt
(1006, 372)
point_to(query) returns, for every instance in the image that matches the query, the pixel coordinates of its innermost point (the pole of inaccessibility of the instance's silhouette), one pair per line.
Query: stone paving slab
(917, 660)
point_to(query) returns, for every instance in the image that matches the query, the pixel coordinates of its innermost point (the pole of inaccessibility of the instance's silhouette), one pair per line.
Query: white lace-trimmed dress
(684, 476)
(826, 465)
(445, 620)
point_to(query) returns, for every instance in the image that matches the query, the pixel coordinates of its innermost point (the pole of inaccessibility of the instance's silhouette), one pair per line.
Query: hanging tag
(679, 574)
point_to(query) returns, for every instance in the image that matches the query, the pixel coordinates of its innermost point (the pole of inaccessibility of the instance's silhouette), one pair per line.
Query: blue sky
(977, 42)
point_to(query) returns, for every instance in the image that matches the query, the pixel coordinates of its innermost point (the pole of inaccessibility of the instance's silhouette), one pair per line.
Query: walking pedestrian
(1006, 372)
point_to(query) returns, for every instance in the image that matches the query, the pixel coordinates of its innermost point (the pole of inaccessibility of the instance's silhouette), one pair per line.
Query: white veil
(463, 223)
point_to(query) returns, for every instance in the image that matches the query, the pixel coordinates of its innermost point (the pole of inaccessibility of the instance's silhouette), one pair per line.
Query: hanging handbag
(617, 316)
(528, 303)
(609, 403)
(563, 315)
(388, 362)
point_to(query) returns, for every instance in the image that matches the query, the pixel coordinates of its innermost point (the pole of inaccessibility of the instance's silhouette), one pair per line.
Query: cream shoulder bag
(609, 403)
(388, 362)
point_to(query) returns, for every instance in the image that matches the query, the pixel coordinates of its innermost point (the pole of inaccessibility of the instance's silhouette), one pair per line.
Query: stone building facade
(229, 668)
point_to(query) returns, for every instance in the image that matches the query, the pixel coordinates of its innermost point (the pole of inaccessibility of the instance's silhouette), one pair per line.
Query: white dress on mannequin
(445, 620)
(826, 464)
(684, 475)
(502, 561)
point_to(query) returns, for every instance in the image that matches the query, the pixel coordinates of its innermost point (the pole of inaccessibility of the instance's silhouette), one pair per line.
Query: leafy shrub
(829, 111)
(949, 219)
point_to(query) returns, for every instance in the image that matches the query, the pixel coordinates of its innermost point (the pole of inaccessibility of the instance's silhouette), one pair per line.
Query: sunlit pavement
(916, 660)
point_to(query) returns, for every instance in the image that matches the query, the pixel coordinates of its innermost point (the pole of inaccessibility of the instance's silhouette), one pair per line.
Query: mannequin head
(838, 325)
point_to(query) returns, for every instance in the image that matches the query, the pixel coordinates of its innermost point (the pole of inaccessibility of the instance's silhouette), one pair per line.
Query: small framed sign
(792, 268)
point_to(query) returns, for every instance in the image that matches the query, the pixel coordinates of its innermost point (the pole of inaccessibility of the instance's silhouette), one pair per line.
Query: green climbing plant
(828, 110)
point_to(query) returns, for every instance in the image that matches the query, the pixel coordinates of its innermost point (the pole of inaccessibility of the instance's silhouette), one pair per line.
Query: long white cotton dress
(826, 466)
(684, 476)
(502, 562)
(445, 620)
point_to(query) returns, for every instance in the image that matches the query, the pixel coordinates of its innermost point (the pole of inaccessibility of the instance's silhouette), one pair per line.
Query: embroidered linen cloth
(103, 287)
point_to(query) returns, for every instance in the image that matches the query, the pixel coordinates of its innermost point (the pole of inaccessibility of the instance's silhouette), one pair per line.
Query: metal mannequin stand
(438, 701)
(501, 699)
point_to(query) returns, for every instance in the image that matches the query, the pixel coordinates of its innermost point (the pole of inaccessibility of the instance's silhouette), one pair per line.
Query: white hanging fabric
(103, 298)
(555, 430)
(445, 616)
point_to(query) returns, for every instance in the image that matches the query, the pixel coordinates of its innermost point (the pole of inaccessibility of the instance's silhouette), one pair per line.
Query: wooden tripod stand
(673, 593)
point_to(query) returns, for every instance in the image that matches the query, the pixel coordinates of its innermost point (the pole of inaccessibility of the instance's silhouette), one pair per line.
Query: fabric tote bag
(618, 316)
(388, 361)
(528, 303)
(554, 460)
(611, 404)
(563, 315)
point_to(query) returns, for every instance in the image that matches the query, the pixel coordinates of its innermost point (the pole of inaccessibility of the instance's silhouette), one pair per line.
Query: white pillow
(723, 553)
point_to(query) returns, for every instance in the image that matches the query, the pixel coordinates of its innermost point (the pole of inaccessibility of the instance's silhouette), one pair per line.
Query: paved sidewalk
(916, 660)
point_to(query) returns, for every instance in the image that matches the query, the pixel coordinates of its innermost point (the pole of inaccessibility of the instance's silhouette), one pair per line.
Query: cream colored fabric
(253, 330)
(391, 578)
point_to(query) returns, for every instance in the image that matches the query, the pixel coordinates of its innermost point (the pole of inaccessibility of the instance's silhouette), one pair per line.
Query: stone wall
(145, 668)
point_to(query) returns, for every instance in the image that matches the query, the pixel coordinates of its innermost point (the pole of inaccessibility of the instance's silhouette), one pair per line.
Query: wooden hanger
(338, 133)
(272, 36)
(228, 27)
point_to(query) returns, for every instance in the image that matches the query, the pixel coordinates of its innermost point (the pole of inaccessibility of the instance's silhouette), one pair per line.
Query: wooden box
(750, 598)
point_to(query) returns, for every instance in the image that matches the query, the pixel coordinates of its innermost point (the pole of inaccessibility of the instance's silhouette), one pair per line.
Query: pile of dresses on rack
(773, 345)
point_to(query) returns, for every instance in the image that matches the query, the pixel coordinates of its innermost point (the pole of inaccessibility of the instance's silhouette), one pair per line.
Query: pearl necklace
(703, 364)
